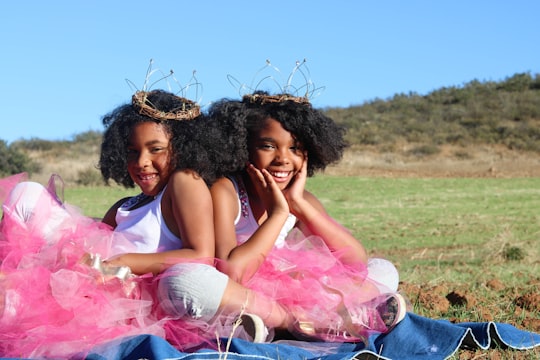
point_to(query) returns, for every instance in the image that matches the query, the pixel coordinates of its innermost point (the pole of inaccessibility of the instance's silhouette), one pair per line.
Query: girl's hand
(117, 260)
(271, 196)
(107, 269)
(295, 192)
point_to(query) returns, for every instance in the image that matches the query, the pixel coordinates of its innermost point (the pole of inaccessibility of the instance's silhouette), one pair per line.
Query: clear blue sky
(64, 64)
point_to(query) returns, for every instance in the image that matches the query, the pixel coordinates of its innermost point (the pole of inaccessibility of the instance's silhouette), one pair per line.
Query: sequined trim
(244, 200)
(133, 201)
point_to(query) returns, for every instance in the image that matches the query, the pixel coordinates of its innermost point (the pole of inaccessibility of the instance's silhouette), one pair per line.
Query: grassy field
(445, 235)
(434, 230)
(437, 224)
(95, 201)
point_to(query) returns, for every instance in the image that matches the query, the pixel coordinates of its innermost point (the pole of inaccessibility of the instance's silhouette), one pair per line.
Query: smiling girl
(274, 236)
(69, 282)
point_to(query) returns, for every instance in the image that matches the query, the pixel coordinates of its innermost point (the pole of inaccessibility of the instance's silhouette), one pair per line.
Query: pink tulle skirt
(333, 301)
(54, 305)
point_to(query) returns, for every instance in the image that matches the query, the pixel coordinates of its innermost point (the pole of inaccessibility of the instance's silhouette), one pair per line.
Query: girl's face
(149, 157)
(275, 149)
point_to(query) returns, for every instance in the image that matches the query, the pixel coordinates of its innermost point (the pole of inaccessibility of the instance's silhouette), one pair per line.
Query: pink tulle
(53, 305)
(8, 183)
(310, 281)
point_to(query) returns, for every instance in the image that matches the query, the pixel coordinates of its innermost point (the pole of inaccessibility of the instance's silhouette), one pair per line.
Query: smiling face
(149, 157)
(275, 149)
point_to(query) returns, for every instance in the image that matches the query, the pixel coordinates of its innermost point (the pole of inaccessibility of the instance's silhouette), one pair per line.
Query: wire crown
(187, 111)
(289, 90)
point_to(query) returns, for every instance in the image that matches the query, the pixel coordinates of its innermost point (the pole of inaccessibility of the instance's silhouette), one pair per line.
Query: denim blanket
(416, 337)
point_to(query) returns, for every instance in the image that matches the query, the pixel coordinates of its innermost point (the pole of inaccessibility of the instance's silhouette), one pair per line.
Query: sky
(66, 63)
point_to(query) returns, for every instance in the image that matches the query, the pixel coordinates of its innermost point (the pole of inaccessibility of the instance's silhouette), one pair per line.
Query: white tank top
(145, 227)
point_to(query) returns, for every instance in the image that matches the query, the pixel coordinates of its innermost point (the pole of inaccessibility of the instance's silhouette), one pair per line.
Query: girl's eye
(132, 154)
(266, 146)
(296, 149)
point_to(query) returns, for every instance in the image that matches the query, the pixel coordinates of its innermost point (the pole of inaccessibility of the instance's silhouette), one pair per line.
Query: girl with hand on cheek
(275, 237)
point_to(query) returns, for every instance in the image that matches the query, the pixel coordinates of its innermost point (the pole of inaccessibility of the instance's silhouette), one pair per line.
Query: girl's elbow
(206, 255)
(363, 255)
(237, 272)
(235, 275)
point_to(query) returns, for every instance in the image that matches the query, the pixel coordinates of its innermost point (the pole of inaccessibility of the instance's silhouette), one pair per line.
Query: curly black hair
(227, 125)
(189, 139)
(320, 136)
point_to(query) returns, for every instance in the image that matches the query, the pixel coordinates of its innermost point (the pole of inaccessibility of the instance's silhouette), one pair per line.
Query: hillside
(505, 113)
(478, 129)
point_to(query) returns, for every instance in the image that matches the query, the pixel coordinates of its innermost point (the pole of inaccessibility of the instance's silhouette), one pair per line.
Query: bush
(424, 150)
(13, 161)
(90, 177)
(513, 253)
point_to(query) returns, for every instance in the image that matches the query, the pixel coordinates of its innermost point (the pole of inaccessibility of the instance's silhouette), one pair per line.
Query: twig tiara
(188, 109)
(301, 93)
(264, 98)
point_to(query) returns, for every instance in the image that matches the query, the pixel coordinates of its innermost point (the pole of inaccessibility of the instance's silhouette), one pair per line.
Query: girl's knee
(23, 199)
(191, 289)
(31, 205)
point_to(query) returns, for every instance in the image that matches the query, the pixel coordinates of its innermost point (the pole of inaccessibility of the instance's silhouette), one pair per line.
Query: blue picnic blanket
(416, 337)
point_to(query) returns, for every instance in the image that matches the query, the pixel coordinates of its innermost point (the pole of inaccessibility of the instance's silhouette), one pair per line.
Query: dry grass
(69, 166)
(451, 161)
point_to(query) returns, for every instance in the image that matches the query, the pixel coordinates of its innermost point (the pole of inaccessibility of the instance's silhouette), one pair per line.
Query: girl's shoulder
(226, 182)
(185, 184)
(225, 188)
(184, 177)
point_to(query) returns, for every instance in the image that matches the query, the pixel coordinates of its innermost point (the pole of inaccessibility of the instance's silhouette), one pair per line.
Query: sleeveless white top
(145, 227)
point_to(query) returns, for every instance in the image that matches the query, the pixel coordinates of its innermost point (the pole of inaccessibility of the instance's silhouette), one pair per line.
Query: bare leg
(238, 297)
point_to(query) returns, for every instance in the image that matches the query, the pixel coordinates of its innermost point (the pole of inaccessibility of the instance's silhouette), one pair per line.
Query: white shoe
(391, 309)
(254, 327)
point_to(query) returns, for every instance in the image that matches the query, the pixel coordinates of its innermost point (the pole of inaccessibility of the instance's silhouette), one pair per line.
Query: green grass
(440, 224)
(95, 201)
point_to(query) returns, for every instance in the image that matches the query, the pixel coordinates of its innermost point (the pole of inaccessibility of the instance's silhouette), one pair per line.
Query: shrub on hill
(13, 161)
(506, 112)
